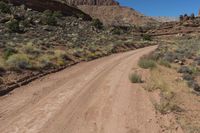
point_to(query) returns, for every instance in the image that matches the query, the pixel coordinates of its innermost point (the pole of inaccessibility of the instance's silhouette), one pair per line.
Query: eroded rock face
(42, 5)
(91, 2)
(117, 15)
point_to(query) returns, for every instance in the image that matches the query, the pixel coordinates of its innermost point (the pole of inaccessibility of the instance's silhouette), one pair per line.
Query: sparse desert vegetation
(157, 90)
(33, 42)
(176, 79)
(135, 78)
(183, 54)
(146, 63)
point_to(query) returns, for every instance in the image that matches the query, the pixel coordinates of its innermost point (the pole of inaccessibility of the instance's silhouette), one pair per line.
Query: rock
(47, 28)
(181, 63)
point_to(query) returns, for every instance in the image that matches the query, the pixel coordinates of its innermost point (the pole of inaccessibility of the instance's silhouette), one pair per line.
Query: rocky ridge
(92, 2)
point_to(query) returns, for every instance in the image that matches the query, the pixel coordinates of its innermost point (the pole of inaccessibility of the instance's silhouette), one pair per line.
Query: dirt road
(92, 97)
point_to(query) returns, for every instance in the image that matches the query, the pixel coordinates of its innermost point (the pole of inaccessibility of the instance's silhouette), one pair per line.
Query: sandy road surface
(92, 97)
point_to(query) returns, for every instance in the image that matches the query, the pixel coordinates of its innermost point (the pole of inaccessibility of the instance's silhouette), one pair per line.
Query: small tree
(192, 16)
(186, 17)
(181, 18)
(4, 8)
(50, 18)
(13, 25)
(146, 37)
(97, 23)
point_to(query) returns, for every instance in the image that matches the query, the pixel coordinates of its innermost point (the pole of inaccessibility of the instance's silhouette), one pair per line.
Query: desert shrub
(47, 12)
(185, 69)
(13, 25)
(146, 63)
(192, 16)
(32, 50)
(18, 61)
(169, 56)
(181, 18)
(45, 62)
(155, 56)
(135, 78)
(116, 31)
(97, 23)
(49, 18)
(4, 8)
(164, 63)
(194, 85)
(186, 17)
(60, 57)
(57, 14)
(8, 52)
(167, 106)
(188, 77)
(195, 70)
(146, 37)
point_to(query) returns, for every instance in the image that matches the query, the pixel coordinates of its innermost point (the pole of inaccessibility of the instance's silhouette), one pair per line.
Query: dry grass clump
(135, 78)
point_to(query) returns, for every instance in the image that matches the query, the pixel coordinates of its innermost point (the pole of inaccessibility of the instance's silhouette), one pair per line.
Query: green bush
(165, 63)
(8, 52)
(18, 61)
(57, 14)
(146, 37)
(13, 25)
(48, 13)
(60, 57)
(135, 78)
(185, 69)
(116, 31)
(49, 18)
(4, 8)
(97, 23)
(188, 77)
(45, 62)
(146, 63)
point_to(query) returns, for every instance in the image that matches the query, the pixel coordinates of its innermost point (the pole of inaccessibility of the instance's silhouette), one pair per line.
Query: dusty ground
(93, 97)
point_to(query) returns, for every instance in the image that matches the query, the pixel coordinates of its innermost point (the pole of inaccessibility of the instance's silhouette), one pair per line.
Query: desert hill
(110, 12)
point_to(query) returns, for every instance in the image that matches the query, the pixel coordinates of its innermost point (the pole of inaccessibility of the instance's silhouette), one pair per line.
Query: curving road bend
(90, 97)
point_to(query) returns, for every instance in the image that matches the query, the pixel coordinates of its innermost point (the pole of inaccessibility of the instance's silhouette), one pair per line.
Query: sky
(171, 8)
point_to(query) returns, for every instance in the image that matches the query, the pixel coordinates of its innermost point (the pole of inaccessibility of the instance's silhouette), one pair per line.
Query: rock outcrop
(91, 2)
(42, 5)
(110, 12)
(117, 15)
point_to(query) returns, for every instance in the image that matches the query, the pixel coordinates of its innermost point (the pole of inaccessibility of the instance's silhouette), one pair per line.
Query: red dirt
(92, 97)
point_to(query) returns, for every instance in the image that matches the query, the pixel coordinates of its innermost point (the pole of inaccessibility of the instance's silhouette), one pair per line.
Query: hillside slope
(116, 15)
(33, 43)
(42, 5)
(110, 12)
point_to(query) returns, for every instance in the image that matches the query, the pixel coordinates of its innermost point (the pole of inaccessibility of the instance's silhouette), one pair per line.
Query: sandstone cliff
(110, 12)
(117, 15)
(42, 5)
